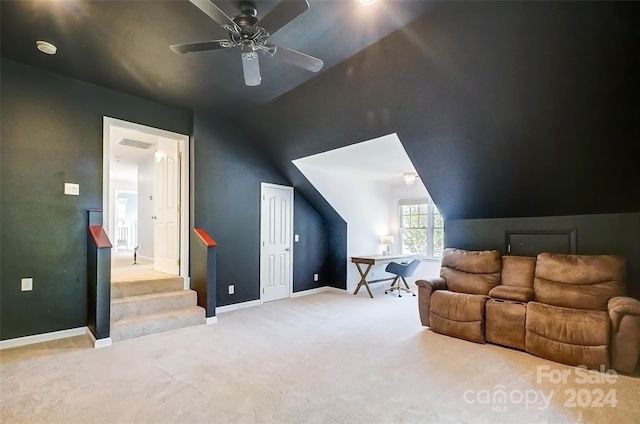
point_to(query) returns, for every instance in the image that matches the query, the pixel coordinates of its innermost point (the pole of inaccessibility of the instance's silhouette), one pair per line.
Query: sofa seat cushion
(518, 294)
(569, 336)
(458, 314)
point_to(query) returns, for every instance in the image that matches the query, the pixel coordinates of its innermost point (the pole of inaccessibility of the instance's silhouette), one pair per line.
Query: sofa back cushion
(474, 272)
(579, 281)
(518, 271)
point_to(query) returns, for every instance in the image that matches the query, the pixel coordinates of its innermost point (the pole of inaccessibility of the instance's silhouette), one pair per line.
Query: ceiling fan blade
(296, 58)
(198, 47)
(214, 13)
(251, 67)
(282, 14)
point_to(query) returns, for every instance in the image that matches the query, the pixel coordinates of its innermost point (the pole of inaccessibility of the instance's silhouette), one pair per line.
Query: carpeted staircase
(143, 307)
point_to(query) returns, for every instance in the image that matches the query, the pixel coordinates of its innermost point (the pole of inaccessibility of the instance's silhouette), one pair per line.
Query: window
(421, 228)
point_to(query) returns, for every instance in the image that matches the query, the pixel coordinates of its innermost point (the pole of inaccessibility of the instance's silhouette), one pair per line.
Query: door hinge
(179, 208)
(262, 291)
(178, 262)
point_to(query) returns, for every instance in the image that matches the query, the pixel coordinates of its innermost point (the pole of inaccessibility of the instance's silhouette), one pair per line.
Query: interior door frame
(290, 189)
(183, 149)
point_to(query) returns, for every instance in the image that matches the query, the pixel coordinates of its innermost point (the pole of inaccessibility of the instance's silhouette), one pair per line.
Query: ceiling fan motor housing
(249, 9)
(250, 36)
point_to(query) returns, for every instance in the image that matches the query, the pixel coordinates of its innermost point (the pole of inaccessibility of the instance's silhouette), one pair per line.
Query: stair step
(142, 325)
(121, 289)
(146, 304)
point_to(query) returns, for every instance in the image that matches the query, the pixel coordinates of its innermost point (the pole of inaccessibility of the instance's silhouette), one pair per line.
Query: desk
(370, 261)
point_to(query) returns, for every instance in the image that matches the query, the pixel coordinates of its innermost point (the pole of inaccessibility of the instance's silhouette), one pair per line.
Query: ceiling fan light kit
(251, 35)
(46, 47)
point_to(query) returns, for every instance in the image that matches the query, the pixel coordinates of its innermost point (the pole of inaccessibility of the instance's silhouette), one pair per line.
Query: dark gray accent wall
(505, 108)
(227, 172)
(606, 234)
(52, 134)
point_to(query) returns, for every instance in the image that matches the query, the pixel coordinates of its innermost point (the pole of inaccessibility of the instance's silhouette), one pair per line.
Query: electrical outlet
(296, 238)
(315, 277)
(27, 284)
(232, 289)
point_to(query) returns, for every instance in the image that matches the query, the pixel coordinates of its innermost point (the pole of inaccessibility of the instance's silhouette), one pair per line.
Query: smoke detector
(46, 47)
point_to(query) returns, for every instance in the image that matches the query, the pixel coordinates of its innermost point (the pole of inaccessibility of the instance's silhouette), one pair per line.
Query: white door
(166, 205)
(276, 239)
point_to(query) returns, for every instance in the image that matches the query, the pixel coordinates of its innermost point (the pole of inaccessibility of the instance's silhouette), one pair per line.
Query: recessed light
(368, 2)
(46, 47)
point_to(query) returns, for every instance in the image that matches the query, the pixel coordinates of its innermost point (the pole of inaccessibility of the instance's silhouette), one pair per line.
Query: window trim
(430, 222)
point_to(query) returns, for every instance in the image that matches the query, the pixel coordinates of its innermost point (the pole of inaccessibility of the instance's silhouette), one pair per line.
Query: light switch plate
(27, 284)
(296, 238)
(72, 189)
(315, 277)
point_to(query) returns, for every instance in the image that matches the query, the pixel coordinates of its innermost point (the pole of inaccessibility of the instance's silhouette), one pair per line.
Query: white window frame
(430, 223)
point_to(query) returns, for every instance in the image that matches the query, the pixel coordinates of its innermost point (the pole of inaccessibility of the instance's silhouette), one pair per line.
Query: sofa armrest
(624, 313)
(436, 283)
(425, 289)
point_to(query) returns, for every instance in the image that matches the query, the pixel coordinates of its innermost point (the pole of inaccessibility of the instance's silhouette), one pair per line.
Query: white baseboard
(98, 343)
(212, 320)
(102, 343)
(235, 306)
(45, 337)
(249, 304)
(309, 292)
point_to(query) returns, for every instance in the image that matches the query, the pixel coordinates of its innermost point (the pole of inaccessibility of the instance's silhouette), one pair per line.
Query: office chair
(401, 270)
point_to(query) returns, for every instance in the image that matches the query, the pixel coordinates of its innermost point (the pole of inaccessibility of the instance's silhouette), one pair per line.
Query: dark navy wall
(505, 108)
(52, 134)
(310, 253)
(227, 172)
(606, 234)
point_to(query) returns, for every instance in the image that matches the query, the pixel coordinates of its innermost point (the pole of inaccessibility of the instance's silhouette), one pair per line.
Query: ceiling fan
(251, 35)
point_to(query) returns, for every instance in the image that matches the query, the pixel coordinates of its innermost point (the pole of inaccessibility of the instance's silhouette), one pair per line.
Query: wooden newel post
(98, 279)
(203, 271)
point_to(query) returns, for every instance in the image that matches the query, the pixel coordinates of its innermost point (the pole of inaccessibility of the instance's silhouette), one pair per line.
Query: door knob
(154, 217)
(288, 249)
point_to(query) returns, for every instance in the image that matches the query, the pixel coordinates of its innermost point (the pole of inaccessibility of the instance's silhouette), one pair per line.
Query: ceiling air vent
(135, 143)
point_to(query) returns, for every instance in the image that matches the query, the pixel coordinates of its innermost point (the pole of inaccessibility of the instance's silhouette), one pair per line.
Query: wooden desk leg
(363, 279)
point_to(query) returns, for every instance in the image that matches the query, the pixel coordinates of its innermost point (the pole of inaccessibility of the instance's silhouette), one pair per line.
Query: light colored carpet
(122, 268)
(325, 358)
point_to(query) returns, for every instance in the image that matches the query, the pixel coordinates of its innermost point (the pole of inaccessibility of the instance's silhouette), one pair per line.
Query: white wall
(114, 185)
(363, 204)
(428, 268)
(131, 216)
(146, 173)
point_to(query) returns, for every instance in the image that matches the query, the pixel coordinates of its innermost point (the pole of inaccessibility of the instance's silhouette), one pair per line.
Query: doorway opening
(145, 200)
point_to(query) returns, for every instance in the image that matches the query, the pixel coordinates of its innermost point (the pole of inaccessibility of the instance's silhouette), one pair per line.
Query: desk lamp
(388, 240)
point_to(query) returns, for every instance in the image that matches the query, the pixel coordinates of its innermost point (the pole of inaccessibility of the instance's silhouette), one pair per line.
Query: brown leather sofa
(567, 308)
